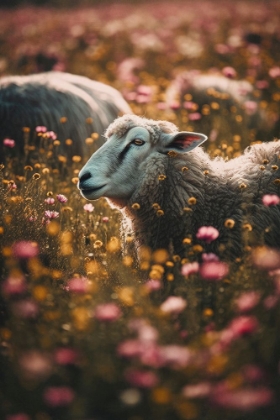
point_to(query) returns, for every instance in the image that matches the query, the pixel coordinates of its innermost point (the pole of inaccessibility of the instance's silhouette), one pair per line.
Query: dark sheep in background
(218, 105)
(72, 106)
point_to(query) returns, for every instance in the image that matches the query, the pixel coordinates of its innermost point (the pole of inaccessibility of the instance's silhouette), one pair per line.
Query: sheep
(221, 105)
(72, 106)
(167, 188)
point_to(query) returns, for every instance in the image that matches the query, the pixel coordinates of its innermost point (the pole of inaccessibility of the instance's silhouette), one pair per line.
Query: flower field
(88, 332)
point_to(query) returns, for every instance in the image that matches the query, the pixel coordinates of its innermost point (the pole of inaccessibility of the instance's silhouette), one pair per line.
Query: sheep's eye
(138, 142)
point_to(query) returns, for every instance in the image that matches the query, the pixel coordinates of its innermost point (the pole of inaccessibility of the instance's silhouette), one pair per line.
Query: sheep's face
(116, 169)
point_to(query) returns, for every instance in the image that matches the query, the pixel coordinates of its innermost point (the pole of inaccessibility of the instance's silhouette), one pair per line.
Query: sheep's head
(115, 169)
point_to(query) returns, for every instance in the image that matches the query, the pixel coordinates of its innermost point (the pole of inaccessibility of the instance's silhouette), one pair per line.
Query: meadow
(88, 333)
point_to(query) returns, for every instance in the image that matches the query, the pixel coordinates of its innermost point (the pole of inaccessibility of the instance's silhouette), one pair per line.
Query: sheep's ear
(184, 141)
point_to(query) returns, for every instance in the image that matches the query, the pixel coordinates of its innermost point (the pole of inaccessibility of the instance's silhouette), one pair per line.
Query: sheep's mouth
(86, 192)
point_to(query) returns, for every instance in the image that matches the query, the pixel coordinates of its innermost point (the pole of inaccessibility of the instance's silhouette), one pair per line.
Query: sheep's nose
(85, 176)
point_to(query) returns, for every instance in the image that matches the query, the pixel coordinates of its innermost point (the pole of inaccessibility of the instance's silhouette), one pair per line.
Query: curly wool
(123, 124)
(222, 190)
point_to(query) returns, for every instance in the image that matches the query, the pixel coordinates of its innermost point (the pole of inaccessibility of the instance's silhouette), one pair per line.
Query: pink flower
(49, 200)
(40, 129)
(61, 198)
(262, 84)
(35, 365)
(161, 105)
(194, 116)
(25, 249)
(274, 72)
(176, 356)
(251, 107)
(66, 356)
(189, 105)
(270, 200)
(153, 284)
(270, 301)
(266, 258)
(26, 309)
(9, 143)
(105, 219)
(57, 396)
(247, 301)
(207, 233)
(189, 268)
(107, 312)
(200, 390)
(141, 378)
(174, 105)
(130, 348)
(245, 399)
(229, 72)
(51, 135)
(206, 257)
(88, 207)
(213, 270)
(173, 305)
(243, 325)
(78, 285)
(253, 373)
(18, 416)
(14, 286)
(51, 214)
(144, 90)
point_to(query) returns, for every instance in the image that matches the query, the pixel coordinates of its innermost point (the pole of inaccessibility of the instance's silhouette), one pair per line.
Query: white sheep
(225, 106)
(72, 106)
(168, 188)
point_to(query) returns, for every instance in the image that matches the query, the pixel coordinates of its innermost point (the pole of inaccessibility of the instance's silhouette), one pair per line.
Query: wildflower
(9, 143)
(243, 325)
(14, 285)
(266, 258)
(107, 312)
(88, 207)
(199, 390)
(175, 356)
(194, 116)
(270, 200)
(270, 301)
(61, 198)
(50, 135)
(246, 399)
(130, 396)
(35, 364)
(141, 378)
(57, 396)
(40, 129)
(209, 257)
(51, 214)
(153, 284)
(78, 285)
(18, 416)
(105, 219)
(130, 348)
(207, 233)
(189, 268)
(250, 107)
(247, 301)
(173, 304)
(213, 270)
(66, 356)
(229, 72)
(26, 309)
(253, 373)
(49, 200)
(25, 249)
(274, 72)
